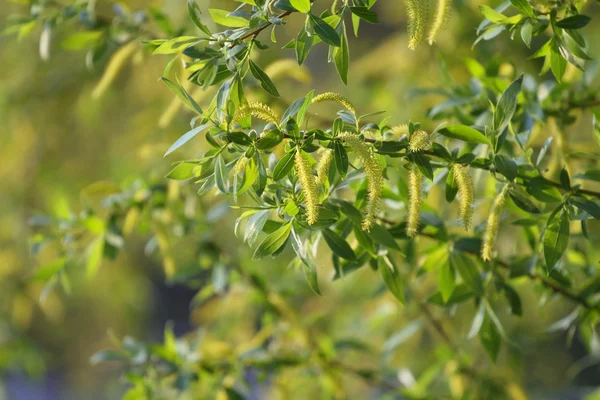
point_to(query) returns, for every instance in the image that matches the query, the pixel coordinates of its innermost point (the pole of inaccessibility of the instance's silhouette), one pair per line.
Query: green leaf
(182, 94)
(325, 31)
(522, 200)
(338, 245)
(558, 64)
(490, 338)
(221, 175)
(44, 273)
(366, 14)
(341, 56)
(383, 237)
(222, 17)
(507, 105)
(303, 45)
(341, 158)
(451, 187)
(556, 238)
(284, 166)
(524, 7)
(273, 242)
(303, 251)
(182, 171)
(301, 5)
(93, 255)
(574, 22)
(186, 137)
(264, 79)
(491, 14)
(194, 13)
(506, 166)
(464, 133)
(82, 40)
(447, 281)
(269, 138)
(467, 269)
(391, 277)
(177, 45)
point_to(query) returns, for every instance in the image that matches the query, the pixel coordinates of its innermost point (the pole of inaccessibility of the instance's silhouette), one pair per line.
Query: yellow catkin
(466, 191)
(416, 12)
(491, 230)
(256, 110)
(309, 187)
(323, 166)
(443, 9)
(330, 96)
(116, 63)
(415, 198)
(374, 176)
(419, 141)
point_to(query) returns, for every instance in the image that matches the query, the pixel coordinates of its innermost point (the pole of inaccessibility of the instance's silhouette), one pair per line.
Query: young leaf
(186, 137)
(341, 56)
(301, 5)
(284, 166)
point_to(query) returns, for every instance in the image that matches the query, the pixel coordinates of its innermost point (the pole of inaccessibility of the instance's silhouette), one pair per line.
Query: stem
(257, 31)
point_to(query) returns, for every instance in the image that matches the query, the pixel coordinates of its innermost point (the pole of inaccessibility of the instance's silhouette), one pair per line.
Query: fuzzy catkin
(419, 141)
(323, 166)
(330, 96)
(491, 230)
(416, 11)
(466, 191)
(443, 10)
(415, 198)
(374, 176)
(309, 187)
(256, 110)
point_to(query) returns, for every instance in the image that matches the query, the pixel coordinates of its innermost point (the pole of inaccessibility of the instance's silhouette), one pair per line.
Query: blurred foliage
(362, 300)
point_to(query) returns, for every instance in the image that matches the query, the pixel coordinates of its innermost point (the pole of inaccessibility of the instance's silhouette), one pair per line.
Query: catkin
(241, 164)
(374, 176)
(415, 198)
(309, 187)
(491, 230)
(323, 166)
(443, 9)
(466, 193)
(330, 96)
(114, 66)
(256, 110)
(419, 141)
(416, 11)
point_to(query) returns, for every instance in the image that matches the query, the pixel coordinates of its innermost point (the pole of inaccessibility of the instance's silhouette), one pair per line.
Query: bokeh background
(56, 139)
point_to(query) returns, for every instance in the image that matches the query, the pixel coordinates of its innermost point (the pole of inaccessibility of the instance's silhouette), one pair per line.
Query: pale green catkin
(309, 187)
(491, 230)
(323, 166)
(443, 10)
(256, 110)
(419, 141)
(466, 192)
(330, 96)
(374, 174)
(416, 11)
(415, 198)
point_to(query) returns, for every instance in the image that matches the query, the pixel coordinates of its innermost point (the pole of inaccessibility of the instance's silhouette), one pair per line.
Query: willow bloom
(443, 10)
(256, 110)
(416, 11)
(466, 192)
(419, 141)
(415, 198)
(309, 187)
(241, 164)
(374, 176)
(330, 96)
(491, 230)
(323, 166)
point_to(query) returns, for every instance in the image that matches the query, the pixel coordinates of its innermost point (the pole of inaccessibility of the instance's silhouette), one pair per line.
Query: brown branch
(257, 31)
